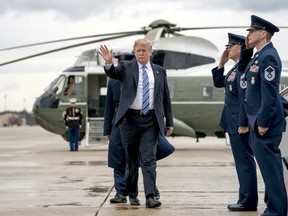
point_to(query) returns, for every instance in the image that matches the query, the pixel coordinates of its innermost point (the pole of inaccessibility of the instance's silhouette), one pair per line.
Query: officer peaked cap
(259, 23)
(125, 56)
(234, 39)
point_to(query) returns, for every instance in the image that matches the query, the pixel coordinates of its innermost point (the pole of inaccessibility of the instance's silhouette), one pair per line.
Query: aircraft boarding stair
(94, 132)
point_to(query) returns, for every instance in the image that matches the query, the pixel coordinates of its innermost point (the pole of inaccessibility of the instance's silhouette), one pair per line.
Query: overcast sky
(30, 21)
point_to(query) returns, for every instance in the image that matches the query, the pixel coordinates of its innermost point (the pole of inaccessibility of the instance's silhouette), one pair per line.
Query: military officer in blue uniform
(116, 154)
(73, 120)
(264, 110)
(235, 127)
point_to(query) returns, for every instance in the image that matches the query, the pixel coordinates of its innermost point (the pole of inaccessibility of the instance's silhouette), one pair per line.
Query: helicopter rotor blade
(215, 27)
(67, 47)
(211, 27)
(75, 38)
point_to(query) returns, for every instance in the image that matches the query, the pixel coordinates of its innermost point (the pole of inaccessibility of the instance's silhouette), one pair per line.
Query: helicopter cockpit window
(58, 87)
(74, 86)
(178, 60)
(50, 97)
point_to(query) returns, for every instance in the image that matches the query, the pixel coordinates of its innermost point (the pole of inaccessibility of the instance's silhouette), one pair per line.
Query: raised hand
(106, 54)
(224, 58)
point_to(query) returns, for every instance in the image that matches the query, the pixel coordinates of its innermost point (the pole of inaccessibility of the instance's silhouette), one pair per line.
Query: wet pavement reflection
(40, 176)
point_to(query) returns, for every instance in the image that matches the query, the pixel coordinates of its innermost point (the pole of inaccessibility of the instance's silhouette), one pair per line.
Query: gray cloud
(69, 8)
(264, 5)
(251, 5)
(84, 8)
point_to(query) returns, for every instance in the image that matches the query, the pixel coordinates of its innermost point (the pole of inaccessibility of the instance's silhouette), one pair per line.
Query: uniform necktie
(145, 96)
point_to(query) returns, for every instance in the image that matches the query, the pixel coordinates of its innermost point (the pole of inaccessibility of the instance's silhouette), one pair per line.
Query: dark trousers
(120, 182)
(139, 137)
(73, 138)
(268, 156)
(246, 169)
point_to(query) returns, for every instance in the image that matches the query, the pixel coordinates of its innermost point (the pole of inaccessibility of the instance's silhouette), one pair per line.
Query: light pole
(24, 104)
(24, 110)
(5, 96)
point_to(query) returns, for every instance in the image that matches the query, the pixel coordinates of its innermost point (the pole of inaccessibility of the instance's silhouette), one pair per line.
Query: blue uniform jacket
(111, 105)
(262, 103)
(234, 96)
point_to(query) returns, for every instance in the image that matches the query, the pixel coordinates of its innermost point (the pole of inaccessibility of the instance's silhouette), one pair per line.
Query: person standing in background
(73, 119)
(264, 110)
(237, 128)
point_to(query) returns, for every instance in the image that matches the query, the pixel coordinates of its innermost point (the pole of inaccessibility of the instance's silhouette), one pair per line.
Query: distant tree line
(14, 118)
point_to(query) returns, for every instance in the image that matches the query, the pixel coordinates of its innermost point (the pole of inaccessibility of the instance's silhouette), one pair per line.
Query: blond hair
(144, 42)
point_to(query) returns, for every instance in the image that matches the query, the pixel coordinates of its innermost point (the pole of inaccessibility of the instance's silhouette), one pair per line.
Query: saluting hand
(224, 58)
(106, 54)
(248, 45)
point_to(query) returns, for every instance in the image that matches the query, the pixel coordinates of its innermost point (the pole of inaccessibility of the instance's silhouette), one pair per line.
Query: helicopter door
(97, 84)
(97, 89)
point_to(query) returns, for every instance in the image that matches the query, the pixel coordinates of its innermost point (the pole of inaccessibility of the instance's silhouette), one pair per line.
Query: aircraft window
(177, 60)
(50, 99)
(74, 86)
(208, 92)
(57, 89)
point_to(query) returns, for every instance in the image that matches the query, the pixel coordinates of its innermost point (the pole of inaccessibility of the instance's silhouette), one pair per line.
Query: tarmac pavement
(40, 176)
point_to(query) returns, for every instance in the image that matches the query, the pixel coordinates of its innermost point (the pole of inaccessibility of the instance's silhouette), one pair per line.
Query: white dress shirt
(137, 103)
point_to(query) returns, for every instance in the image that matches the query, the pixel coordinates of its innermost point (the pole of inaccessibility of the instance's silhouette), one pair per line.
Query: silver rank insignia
(243, 82)
(252, 80)
(230, 87)
(269, 73)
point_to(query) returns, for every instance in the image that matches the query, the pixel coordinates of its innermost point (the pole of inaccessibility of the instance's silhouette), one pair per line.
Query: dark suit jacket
(128, 73)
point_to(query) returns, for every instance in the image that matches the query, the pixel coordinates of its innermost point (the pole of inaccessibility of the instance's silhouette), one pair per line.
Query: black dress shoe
(152, 203)
(119, 198)
(157, 194)
(240, 207)
(134, 201)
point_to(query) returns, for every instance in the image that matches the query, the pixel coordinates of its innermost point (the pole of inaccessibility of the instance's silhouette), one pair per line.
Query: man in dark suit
(264, 110)
(144, 102)
(116, 154)
(235, 127)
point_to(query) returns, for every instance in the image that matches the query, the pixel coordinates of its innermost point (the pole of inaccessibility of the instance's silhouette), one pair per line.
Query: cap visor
(250, 28)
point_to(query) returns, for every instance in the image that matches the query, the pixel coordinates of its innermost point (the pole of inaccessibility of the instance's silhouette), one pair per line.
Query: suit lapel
(135, 70)
(156, 79)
